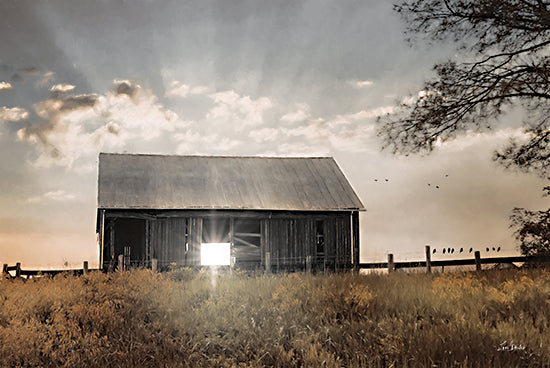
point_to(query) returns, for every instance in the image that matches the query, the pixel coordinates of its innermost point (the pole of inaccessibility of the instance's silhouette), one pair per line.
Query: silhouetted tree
(532, 231)
(503, 60)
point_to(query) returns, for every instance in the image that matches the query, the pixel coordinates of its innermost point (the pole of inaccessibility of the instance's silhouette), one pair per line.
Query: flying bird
(437, 186)
(471, 250)
(443, 250)
(487, 249)
(461, 249)
(386, 179)
(498, 249)
(375, 179)
(433, 251)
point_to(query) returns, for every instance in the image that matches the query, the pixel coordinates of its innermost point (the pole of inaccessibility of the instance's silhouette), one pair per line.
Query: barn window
(319, 237)
(246, 240)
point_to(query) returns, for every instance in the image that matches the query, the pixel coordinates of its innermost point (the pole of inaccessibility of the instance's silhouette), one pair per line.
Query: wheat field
(185, 318)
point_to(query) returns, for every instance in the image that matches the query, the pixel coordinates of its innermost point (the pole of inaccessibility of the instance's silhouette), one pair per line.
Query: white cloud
(77, 127)
(62, 88)
(264, 135)
(361, 84)
(303, 113)
(5, 86)
(13, 114)
(184, 90)
(56, 196)
(194, 143)
(237, 111)
(303, 149)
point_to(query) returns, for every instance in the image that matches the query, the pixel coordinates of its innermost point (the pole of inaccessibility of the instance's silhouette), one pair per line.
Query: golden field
(184, 318)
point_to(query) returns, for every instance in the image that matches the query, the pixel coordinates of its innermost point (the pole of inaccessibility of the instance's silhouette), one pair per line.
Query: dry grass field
(196, 319)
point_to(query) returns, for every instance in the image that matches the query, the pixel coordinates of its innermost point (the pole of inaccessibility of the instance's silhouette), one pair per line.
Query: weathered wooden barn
(272, 213)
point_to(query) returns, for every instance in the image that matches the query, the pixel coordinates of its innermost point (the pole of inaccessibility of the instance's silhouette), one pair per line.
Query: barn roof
(207, 182)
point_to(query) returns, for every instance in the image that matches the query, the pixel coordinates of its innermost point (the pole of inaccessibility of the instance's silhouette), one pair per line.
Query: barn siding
(168, 239)
(289, 237)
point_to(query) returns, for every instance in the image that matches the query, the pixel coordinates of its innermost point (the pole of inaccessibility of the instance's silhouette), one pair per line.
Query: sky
(226, 77)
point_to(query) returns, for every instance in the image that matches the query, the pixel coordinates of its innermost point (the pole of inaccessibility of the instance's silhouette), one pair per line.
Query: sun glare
(215, 254)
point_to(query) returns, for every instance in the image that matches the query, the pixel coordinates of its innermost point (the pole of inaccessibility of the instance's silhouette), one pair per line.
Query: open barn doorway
(129, 240)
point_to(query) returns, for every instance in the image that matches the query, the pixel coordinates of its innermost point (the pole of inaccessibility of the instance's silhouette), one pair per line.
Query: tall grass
(199, 319)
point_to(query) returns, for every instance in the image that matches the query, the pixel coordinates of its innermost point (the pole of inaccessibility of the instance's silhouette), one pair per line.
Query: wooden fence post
(120, 262)
(267, 262)
(5, 272)
(18, 269)
(391, 266)
(478, 260)
(428, 259)
(85, 268)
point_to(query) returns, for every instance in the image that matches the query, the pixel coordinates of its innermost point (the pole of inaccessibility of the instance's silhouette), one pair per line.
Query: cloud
(62, 88)
(302, 149)
(237, 111)
(13, 114)
(303, 113)
(195, 143)
(264, 135)
(184, 90)
(76, 127)
(17, 78)
(361, 84)
(126, 87)
(56, 196)
(348, 132)
(5, 86)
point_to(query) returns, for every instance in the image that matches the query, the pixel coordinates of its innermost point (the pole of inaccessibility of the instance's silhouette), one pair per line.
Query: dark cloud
(126, 88)
(17, 78)
(31, 70)
(77, 102)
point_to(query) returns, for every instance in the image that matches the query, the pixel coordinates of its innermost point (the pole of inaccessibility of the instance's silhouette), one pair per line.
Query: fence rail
(392, 265)
(19, 272)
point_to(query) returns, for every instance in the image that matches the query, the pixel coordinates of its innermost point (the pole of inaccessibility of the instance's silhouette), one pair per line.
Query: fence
(392, 265)
(19, 272)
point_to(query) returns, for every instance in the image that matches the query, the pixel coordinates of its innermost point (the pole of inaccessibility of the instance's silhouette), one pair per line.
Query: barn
(261, 213)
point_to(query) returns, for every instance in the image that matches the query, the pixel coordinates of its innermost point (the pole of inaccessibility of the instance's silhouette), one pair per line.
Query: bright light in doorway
(215, 254)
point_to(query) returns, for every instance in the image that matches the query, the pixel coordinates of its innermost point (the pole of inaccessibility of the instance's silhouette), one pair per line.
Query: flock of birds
(461, 250)
(429, 184)
(448, 250)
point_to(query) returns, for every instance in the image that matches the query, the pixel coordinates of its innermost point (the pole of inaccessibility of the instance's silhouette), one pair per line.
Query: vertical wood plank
(231, 239)
(85, 268)
(18, 269)
(268, 262)
(101, 237)
(112, 243)
(147, 242)
(355, 239)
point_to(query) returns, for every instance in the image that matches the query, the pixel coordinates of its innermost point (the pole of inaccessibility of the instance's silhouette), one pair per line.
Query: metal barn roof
(208, 182)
